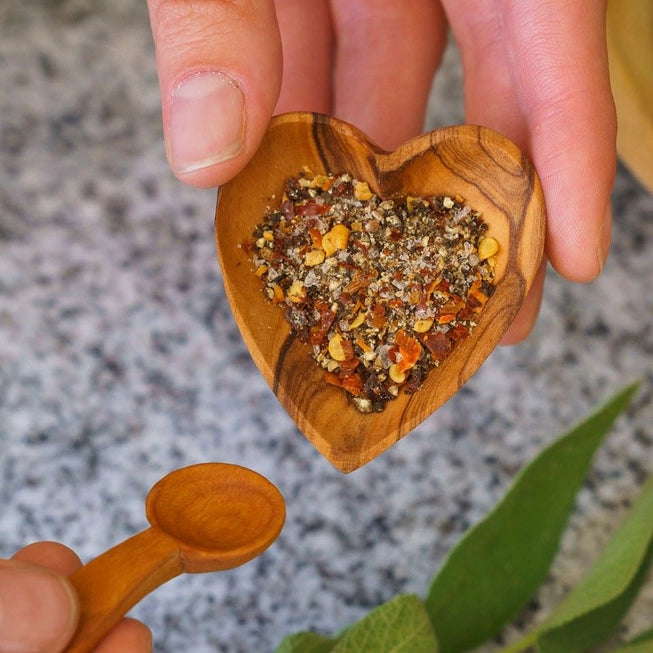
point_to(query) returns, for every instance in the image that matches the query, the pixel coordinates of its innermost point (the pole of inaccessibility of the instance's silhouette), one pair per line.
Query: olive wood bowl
(486, 170)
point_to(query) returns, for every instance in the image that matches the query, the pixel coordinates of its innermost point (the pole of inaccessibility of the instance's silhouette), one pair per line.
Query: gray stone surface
(119, 361)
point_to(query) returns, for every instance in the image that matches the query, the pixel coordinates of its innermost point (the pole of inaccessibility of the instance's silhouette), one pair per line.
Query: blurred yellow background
(630, 45)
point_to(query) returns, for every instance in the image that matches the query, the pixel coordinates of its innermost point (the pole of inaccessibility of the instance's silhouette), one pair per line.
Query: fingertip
(53, 555)
(524, 321)
(577, 173)
(219, 66)
(564, 91)
(213, 129)
(206, 125)
(129, 635)
(39, 609)
(519, 330)
(578, 243)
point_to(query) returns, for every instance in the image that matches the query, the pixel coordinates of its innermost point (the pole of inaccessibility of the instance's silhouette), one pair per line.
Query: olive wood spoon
(485, 169)
(207, 517)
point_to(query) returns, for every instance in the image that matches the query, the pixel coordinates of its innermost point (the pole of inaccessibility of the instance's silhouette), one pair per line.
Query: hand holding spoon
(207, 517)
(482, 167)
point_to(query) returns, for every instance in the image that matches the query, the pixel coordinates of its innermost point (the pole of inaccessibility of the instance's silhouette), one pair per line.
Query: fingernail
(36, 610)
(605, 238)
(207, 121)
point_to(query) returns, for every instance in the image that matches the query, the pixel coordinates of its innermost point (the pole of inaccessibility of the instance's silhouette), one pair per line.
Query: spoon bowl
(479, 165)
(220, 515)
(207, 517)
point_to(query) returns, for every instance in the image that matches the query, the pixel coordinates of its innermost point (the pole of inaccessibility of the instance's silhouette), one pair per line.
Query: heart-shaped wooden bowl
(485, 169)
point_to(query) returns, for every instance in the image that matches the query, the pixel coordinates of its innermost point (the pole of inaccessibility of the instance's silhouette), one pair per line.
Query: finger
(525, 319)
(129, 636)
(307, 37)
(219, 65)
(38, 608)
(562, 81)
(532, 75)
(387, 54)
(52, 555)
(490, 98)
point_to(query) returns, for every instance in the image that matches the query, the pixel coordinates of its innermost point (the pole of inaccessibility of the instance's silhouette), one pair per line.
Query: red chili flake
(377, 315)
(360, 280)
(409, 350)
(438, 344)
(458, 332)
(352, 383)
(316, 237)
(311, 209)
(325, 319)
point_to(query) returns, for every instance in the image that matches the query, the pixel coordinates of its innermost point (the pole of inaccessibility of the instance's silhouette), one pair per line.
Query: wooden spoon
(481, 166)
(207, 517)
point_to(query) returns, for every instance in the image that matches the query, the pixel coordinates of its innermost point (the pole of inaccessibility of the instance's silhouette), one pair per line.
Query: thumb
(38, 609)
(219, 66)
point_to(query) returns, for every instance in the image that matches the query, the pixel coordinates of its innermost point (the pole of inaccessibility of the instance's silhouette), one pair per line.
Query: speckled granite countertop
(119, 361)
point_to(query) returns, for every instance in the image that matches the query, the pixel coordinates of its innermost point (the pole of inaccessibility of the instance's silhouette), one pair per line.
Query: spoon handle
(111, 584)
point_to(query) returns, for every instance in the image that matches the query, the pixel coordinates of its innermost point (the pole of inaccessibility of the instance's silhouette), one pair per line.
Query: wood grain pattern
(207, 517)
(481, 166)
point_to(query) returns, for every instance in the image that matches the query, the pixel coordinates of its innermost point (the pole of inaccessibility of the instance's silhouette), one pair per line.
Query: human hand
(39, 608)
(534, 70)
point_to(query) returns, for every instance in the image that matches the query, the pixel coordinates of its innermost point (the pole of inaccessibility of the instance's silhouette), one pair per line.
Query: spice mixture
(381, 288)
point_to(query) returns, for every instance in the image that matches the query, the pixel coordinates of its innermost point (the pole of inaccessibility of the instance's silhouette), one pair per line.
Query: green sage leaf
(594, 608)
(497, 567)
(306, 642)
(398, 626)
